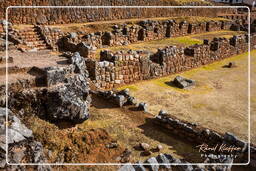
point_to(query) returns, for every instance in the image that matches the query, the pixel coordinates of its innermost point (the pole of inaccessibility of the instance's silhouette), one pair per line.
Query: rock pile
(22, 148)
(120, 98)
(167, 162)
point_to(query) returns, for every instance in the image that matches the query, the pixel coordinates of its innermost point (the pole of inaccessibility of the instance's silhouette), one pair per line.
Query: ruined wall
(119, 68)
(142, 31)
(60, 16)
(198, 135)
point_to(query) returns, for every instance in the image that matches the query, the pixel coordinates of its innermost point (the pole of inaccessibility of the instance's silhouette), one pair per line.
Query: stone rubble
(22, 148)
(167, 162)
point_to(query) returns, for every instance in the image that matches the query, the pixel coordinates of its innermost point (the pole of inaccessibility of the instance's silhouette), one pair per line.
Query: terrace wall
(142, 31)
(119, 68)
(61, 16)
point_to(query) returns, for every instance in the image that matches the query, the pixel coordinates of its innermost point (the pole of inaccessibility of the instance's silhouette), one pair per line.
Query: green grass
(130, 87)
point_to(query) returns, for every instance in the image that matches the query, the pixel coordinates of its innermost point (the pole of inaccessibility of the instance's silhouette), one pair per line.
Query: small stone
(144, 146)
(159, 147)
(143, 107)
(231, 65)
(112, 145)
(162, 112)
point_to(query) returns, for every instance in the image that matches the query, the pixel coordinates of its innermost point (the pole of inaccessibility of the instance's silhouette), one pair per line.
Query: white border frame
(120, 164)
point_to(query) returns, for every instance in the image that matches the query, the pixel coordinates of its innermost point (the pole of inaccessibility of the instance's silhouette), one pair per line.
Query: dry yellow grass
(106, 25)
(215, 102)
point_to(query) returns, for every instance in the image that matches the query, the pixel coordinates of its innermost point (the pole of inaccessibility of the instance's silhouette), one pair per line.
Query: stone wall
(145, 30)
(72, 15)
(198, 135)
(119, 68)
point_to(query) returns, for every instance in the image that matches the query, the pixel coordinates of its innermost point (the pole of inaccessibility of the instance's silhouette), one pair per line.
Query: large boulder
(182, 82)
(70, 101)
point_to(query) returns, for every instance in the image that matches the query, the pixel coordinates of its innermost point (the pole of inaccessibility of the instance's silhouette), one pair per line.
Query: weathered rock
(231, 65)
(143, 107)
(154, 165)
(139, 166)
(182, 82)
(112, 145)
(164, 159)
(120, 100)
(22, 148)
(68, 102)
(54, 75)
(162, 112)
(79, 63)
(127, 167)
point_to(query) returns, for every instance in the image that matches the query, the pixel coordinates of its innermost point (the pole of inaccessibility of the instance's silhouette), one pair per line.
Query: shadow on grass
(183, 148)
(101, 103)
(171, 84)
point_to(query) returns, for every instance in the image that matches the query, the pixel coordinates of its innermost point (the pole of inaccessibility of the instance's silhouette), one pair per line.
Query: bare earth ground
(23, 61)
(219, 101)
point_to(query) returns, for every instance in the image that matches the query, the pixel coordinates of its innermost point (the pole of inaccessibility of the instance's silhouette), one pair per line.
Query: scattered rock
(127, 167)
(162, 112)
(120, 100)
(112, 145)
(143, 107)
(231, 65)
(20, 144)
(139, 166)
(144, 146)
(154, 165)
(125, 157)
(182, 82)
(159, 147)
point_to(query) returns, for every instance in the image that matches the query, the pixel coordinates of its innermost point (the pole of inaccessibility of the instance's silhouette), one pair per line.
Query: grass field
(219, 100)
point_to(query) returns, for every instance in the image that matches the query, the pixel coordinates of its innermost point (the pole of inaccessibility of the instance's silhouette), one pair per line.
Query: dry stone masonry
(79, 15)
(124, 67)
(145, 30)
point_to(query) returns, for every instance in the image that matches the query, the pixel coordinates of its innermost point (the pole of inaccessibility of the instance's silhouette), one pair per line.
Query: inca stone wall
(119, 68)
(72, 15)
(142, 31)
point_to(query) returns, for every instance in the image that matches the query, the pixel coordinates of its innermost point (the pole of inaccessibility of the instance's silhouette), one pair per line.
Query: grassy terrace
(152, 46)
(212, 103)
(106, 25)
